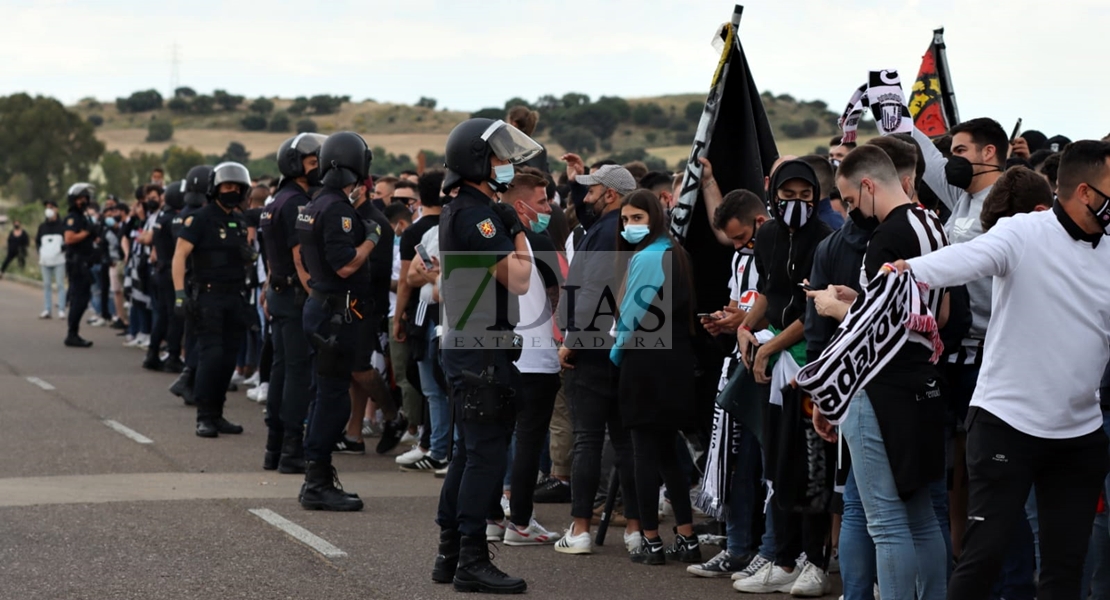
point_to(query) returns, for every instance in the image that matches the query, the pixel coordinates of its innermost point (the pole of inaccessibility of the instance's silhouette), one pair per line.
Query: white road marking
(42, 384)
(127, 431)
(298, 533)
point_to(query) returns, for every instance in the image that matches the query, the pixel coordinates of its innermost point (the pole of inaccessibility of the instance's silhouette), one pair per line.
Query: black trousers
(219, 326)
(657, 455)
(19, 255)
(533, 417)
(1003, 464)
(291, 373)
(800, 532)
(591, 390)
(80, 293)
(330, 407)
(163, 318)
(104, 286)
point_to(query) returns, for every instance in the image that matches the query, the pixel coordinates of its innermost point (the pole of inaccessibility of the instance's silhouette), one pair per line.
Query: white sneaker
(61, 314)
(753, 567)
(495, 530)
(97, 321)
(768, 580)
(411, 457)
(133, 342)
(254, 380)
(409, 438)
(258, 394)
(633, 541)
(575, 544)
(533, 535)
(812, 583)
(665, 507)
(237, 378)
(144, 341)
(441, 473)
(505, 506)
(45, 314)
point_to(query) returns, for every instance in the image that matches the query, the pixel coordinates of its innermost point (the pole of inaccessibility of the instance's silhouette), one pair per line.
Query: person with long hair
(653, 349)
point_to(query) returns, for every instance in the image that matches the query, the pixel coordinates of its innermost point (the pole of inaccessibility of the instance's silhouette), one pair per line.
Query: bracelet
(709, 182)
(746, 328)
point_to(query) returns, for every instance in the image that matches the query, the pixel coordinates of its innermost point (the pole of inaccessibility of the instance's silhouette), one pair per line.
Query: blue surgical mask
(110, 221)
(541, 222)
(504, 174)
(634, 234)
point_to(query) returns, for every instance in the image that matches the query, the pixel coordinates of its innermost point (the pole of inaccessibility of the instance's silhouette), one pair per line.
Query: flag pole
(948, 99)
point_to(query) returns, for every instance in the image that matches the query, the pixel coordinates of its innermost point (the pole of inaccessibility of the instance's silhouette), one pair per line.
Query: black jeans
(533, 416)
(19, 255)
(591, 390)
(220, 328)
(331, 407)
(291, 370)
(163, 316)
(657, 454)
(800, 532)
(80, 293)
(1003, 463)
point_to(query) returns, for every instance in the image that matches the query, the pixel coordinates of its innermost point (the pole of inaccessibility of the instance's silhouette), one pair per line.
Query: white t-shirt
(541, 351)
(396, 275)
(430, 241)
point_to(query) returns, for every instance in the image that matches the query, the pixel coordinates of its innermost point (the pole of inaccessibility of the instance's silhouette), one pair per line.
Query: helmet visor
(81, 189)
(509, 143)
(308, 143)
(231, 172)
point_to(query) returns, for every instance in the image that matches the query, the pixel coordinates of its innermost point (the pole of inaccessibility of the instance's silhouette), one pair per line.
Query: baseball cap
(795, 169)
(611, 176)
(1056, 143)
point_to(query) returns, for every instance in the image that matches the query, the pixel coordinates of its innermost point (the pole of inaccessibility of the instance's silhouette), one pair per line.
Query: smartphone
(424, 257)
(710, 316)
(806, 287)
(1016, 131)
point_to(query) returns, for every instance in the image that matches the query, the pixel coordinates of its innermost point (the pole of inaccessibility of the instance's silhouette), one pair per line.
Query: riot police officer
(214, 240)
(80, 254)
(166, 326)
(335, 246)
(286, 292)
(478, 348)
(196, 195)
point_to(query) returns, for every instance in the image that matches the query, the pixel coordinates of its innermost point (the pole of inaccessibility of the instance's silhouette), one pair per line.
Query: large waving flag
(933, 103)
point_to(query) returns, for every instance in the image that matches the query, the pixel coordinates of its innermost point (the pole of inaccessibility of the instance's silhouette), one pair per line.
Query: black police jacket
(278, 226)
(330, 231)
(83, 251)
(163, 239)
(220, 250)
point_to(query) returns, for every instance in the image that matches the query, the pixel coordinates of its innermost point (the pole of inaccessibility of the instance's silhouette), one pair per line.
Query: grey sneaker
(754, 566)
(722, 565)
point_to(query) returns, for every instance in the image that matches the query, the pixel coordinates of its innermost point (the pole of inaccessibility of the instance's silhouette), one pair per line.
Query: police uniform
(79, 259)
(196, 189)
(165, 326)
(291, 377)
(219, 261)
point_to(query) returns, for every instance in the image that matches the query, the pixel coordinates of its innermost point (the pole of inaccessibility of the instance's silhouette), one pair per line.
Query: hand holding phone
(425, 257)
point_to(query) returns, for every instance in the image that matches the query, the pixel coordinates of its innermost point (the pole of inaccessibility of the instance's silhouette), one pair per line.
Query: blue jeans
(738, 523)
(95, 269)
(50, 275)
(909, 549)
(938, 490)
(857, 550)
(439, 413)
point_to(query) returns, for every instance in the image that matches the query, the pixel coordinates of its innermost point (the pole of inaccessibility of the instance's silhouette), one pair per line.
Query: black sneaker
(173, 365)
(225, 426)
(118, 325)
(392, 432)
(425, 464)
(76, 341)
(347, 446)
(152, 364)
(722, 565)
(552, 491)
(684, 549)
(207, 429)
(650, 552)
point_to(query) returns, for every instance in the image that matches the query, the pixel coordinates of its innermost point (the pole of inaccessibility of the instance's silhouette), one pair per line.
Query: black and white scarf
(875, 329)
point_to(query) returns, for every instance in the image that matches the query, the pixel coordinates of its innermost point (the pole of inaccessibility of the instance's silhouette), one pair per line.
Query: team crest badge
(487, 229)
(347, 224)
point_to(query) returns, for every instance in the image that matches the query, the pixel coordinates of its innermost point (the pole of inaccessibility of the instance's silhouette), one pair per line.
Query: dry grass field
(258, 143)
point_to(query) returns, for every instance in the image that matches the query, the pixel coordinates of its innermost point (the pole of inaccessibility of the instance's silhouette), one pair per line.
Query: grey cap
(611, 176)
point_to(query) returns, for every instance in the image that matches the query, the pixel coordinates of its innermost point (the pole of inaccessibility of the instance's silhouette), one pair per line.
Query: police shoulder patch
(347, 224)
(487, 229)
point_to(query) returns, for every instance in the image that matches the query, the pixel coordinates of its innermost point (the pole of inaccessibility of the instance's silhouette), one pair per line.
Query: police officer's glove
(373, 231)
(180, 303)
(508, 217)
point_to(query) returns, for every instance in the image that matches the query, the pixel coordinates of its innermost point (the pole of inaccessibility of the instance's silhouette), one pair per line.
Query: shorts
(115, 279)
(369, 343)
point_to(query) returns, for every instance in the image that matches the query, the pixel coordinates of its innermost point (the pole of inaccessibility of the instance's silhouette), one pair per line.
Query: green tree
(548, 102)
(51, 146)
(324, 104)
(488, 113)
(96, 120)
(694, 110)
(262, 106)
(618, 106)
(573, 99)
(227, 101)
(265, 166)
(425, 102)
(254, 122)
(118, 173)
(178, 161)
(578, 140)
(810, 126)
(138, 102)
(159, 130)
(518, 102)
(644, 112)
(203, 105)
(599, 119)
(306, 126)
(279, 123)
(299, 106)
(178, 104)
(236, 152)
(184, 92)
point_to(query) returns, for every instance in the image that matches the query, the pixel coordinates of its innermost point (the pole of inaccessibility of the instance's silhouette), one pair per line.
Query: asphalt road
(88, 513)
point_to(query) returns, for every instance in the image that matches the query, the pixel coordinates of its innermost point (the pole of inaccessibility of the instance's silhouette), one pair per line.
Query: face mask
(960, 171)
(50, 214)
(795, 213)
(542, 221)
(835, 163)
(502, 177)
(634, 234)
(110, 222)
(229, 200)
(92, 219)
(313, 177)
(151, 206)
(1102, 215)
(865, 223)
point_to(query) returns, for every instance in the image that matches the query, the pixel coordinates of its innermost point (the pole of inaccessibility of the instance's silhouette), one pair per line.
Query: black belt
(282, 284)
(225, 288)
(345, 303)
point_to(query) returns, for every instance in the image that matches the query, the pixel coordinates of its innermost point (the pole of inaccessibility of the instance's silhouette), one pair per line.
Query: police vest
(278, 254)
(310, 232)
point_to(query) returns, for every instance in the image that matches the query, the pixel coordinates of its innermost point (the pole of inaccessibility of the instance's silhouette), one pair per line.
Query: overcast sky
(1042, 61)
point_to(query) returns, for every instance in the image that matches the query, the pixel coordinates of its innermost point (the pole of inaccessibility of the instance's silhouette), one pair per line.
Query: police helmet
(79, 190)
(230, 172)
(196, 185)
(344, 159)
(175, 195)
(472, 142)
(291, 154)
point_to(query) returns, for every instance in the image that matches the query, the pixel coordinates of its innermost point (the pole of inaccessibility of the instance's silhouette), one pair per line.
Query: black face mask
(1102, 215)
(856, 215)
(229, 200)
(587, 214)
(960, 171)
(151, 206)
(313, 178)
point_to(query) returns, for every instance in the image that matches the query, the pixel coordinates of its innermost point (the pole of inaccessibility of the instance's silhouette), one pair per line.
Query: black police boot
(476, 573)
(225, 426)
(273, 450)
(76, 341)
(292, 454)
(182, 387)
(152, 363)
(207, 429)
(320, 491)
(447, 559)
(173, 364)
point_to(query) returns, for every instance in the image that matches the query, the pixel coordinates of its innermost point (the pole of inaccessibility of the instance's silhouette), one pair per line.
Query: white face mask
(50, 214)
